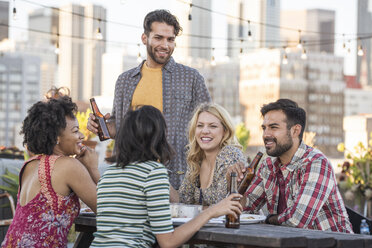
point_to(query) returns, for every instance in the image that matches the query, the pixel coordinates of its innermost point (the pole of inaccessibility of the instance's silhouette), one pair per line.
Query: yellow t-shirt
(149, 90)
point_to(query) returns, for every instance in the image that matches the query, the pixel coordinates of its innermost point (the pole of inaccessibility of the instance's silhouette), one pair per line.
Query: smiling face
(277, 137)
(209, 132)
(160, 44)
(70, 140)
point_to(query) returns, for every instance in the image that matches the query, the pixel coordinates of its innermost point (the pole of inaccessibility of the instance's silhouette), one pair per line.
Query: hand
(88, 157)
(229, 205)
(239, 168)
(92, 125)
(272, 219)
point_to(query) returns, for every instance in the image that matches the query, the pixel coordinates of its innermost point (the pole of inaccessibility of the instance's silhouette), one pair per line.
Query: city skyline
(128, 12)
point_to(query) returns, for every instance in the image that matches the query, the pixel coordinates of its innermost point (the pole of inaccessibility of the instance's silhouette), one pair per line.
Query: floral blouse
(191, 193)
(47, 218)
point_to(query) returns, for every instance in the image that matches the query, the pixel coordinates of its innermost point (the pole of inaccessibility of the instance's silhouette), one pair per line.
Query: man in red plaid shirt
(296, 182)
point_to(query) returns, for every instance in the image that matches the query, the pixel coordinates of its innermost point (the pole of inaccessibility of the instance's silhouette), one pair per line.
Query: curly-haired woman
(212, 148)
(52, 180)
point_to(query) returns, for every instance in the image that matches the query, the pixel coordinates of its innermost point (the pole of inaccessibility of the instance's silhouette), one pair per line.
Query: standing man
(297, 182)
(159, 81)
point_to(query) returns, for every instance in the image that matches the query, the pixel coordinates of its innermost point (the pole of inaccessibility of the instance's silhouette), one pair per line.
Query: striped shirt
(132, 205)
(311, 193)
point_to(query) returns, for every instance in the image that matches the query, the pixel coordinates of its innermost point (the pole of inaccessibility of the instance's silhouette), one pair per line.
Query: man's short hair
(294, 113)
(161, 15)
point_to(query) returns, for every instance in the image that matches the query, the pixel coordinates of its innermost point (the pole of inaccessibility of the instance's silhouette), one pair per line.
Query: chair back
(356, 218)
(7, 222)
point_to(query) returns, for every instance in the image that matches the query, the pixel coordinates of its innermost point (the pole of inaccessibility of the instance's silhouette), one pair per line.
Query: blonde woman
(212, 148)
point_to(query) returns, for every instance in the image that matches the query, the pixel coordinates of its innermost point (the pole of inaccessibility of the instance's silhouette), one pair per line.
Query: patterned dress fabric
(190, 191)
(46, 220)
(311, 193)
(183, 90)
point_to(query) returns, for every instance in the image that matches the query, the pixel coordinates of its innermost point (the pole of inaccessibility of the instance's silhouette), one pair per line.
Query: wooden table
(251, 235)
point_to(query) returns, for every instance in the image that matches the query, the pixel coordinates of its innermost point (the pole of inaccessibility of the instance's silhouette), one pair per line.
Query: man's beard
(280, 148)
(154, 58)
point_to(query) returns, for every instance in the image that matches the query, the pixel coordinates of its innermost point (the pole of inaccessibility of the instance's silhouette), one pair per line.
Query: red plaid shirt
(311, 193)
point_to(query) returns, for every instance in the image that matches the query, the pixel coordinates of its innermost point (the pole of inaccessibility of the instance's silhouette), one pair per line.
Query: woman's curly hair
(45, 122)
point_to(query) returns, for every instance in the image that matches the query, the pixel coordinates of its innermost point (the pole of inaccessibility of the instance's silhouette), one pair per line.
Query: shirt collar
(296, 159)
(169, 66)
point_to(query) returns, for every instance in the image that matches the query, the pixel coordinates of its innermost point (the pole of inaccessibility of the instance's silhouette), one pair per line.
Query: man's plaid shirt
(311, 193)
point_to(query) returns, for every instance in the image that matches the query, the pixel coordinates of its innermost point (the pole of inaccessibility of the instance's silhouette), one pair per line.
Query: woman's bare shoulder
(67, 163)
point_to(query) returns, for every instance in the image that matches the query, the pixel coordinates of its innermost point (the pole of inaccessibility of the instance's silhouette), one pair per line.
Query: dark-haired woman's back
(46, 219)
(133, 205)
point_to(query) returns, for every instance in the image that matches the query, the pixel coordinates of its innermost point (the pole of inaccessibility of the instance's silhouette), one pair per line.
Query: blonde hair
(195, 154)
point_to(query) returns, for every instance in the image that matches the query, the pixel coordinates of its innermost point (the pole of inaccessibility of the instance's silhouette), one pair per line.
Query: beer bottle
(249, 174)
(103, 132)
(231, 220)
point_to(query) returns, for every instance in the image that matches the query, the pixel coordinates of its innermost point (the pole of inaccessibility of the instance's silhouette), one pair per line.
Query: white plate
(87, 211)
(211, 221)
(251, 218)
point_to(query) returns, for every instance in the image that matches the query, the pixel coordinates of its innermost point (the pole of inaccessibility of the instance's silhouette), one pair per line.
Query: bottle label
(364, 230)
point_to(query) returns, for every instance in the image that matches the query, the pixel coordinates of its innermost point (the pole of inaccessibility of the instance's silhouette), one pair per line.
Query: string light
(139, 58)
(250, 38)
(213, 60)
(285, 59)
(299, 45)
(190, 16)
(241, 48)
(15, 16)
(360, 48)
(56, 50)
(304, 55)
(99, 35)
(343, 43)
(264, 24)
(360, 51)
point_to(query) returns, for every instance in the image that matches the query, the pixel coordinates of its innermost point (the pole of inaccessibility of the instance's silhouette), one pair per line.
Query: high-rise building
(316, 84)
(258, 12)
(358, 100)
(363, 28)
(222, 81)
(200, 25)
(19, 89)
(43, 42)
(43, 26)
(80, 59)
(358, 128)
(4, 20)
(320, 22)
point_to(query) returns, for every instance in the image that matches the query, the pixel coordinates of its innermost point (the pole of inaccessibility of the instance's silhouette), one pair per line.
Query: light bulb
(139, 59)
(304, 55)
(213, 61)
(250, 38)
(360, 51)
(285, 59)
(15, 16)
(99, 35)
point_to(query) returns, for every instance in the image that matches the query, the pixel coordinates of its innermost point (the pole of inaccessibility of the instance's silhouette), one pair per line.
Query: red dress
(46, 220)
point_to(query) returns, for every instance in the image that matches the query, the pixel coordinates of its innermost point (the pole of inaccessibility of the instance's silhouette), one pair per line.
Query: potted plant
(110, 148)
(356, 175)
(82, 118)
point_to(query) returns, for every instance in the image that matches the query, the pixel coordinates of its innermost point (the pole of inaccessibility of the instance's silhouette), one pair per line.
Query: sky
(133, 11)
